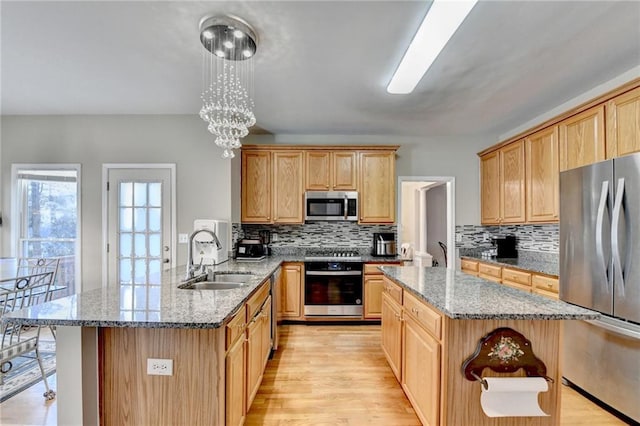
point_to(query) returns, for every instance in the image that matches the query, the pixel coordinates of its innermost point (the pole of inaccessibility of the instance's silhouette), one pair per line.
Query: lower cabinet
(235, 383)
(421, 371)
(392, 333)
(373, 288)
(291, 291)
(258, 347)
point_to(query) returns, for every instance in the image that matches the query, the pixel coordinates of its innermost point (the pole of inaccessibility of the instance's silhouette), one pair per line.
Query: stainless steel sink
(231, 277)
(212, 285)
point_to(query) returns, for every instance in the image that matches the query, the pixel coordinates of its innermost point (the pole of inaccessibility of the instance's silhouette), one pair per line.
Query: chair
(37, 265)
(15, 294)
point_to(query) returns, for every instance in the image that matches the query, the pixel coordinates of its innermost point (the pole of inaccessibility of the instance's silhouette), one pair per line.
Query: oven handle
(333, 273)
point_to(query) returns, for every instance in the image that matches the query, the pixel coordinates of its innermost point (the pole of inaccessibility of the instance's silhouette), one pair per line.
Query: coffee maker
(384, 244)
(505, 246)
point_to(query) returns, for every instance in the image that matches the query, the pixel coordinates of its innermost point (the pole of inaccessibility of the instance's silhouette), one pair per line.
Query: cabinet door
(582, 139)
(623, 124)
(318, 166)
(254, 358)
(288, 187)
(392, 334)
(512, 183)
(344, 170)
(377, 187)
(235, 384)
(421, 371)
(490, 188)
(256, 187)
(291, 290)
(543, 170)
(373, 288)
(265, 317)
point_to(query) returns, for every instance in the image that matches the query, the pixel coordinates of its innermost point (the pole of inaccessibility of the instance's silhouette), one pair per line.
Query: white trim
(15, 213)
(105, 214)
(450, 181)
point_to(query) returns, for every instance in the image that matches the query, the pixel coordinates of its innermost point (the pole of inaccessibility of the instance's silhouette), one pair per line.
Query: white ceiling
(321, 67)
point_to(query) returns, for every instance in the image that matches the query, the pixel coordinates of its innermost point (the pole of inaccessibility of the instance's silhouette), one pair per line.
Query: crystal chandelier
(227, 105)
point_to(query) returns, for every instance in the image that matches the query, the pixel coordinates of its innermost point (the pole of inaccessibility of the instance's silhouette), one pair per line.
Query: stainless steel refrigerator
(600, 270)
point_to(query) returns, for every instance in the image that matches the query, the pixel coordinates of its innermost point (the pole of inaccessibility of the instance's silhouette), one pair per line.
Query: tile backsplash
(541, 238)
(339, 235)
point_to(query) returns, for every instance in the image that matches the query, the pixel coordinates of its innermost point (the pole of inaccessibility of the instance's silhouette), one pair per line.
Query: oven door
(333, 293)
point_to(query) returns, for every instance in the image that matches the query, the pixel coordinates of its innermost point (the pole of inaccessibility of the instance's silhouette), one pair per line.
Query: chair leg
(50, 393)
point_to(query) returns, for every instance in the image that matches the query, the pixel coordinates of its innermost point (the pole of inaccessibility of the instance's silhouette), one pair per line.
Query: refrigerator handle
(615, 243)
(602, 204)
(622, 331)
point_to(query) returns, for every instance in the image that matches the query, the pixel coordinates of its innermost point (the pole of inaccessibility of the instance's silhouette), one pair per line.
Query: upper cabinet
(623, 124)
(275, 177)
(606, 127)
(542, 172)
(582, 139)
(256, 187)
(502, 186)
(288, 192)
(377, 197)
(331, 170)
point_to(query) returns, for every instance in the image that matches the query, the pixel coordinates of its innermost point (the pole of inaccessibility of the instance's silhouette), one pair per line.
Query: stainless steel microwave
(331, 205)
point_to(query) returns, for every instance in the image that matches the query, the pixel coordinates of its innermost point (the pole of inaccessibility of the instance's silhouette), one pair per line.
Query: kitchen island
(433, 320)
(106, 336)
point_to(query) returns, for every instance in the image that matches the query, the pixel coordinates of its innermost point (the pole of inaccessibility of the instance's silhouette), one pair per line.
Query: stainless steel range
(333, 284)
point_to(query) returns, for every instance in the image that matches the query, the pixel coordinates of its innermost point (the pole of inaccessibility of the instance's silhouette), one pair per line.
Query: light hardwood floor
(321, 375)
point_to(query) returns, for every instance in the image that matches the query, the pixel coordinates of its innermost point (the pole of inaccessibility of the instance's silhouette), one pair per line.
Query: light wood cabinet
(469, 266)
(377, 184)
(542, 175)
(256, 196)
(502, 185)
(517, 279)
(545, 285)
(331, 171)
(512, 199)
(291, 290)
(258, 341)
(288, 196)
(373, 289)
(582, 138)
(489, 272)
(391, 330)
(623, 124)
(235, 383)
(421, 371)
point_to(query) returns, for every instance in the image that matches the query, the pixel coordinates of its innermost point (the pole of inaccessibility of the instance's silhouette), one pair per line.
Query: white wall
(203, 177)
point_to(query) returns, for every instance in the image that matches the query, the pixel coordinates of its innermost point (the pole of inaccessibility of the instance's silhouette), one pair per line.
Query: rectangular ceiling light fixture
(441, 22)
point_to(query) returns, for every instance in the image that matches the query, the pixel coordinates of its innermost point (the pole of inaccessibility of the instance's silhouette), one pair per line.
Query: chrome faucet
(190, 266)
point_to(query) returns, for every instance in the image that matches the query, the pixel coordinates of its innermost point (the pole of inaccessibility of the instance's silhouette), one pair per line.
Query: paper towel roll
(513, 396)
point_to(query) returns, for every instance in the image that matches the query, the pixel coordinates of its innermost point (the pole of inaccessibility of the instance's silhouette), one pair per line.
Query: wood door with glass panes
(139, 232)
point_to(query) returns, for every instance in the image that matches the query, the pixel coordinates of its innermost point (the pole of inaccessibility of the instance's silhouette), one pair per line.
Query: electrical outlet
(485, 237)
(183, 238)
(458, 238)
(274, 237)
(159, 367)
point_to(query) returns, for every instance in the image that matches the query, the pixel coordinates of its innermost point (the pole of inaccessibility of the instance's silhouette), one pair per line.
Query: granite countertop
(166, 307)
(463, 296)
(527, 262)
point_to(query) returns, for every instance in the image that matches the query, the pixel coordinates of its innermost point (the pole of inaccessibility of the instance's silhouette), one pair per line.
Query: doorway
(138, 223)
(426, 212)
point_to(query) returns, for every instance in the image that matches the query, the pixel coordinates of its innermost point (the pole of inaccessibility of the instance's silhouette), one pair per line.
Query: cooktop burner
(336, 255)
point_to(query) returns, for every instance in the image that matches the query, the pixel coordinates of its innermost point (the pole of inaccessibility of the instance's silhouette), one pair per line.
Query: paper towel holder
(503, 350)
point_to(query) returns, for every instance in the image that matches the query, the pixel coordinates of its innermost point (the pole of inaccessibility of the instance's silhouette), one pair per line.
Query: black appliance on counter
(384, 244)
(250, 250)
(505, 246)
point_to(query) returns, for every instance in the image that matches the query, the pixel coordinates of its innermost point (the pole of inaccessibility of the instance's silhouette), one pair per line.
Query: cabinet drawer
(393, 290)
(470, 266)
(516, 276)
(489, 270)
(545, 283)
(256, 301)
(426, 316)
(235, 327)
(513, 284)
(372, 268)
